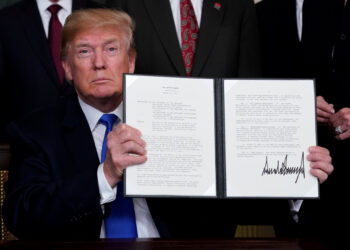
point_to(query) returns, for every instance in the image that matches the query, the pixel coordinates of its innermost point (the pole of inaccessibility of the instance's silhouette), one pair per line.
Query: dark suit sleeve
(42, 201)
(249, 57)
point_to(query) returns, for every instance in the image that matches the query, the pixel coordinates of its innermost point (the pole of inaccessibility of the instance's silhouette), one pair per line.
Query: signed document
(269, 125)
(221, 138)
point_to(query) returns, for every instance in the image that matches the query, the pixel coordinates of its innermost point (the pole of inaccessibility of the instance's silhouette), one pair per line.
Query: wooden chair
(255, 231)
(4, 168)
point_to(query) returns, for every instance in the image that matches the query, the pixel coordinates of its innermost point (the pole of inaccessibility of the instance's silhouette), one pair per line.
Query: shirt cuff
(107, 193)
(294, 208)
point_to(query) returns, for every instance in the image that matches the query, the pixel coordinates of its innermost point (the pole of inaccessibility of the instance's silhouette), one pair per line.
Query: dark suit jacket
(28, 78)
(52, 192)
(339, 69)
(322, 54)
(228, 44)
(284, 55)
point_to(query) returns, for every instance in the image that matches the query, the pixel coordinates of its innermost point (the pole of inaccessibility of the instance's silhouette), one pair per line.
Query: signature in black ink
(284, 169)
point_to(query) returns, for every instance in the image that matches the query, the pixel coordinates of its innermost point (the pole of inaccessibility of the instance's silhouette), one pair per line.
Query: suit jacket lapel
(35, 34)
(78, 137)
(161, 16)
(208, 32)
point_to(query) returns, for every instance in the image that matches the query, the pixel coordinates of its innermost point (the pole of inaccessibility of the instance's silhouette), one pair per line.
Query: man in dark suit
(28, 76)
(65, 169)
(337, 126)
(227, 43)
(297, 41)
(309, 39)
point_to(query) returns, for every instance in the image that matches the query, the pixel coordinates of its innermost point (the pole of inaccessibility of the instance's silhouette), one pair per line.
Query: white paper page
(269, 125)
(177, 123)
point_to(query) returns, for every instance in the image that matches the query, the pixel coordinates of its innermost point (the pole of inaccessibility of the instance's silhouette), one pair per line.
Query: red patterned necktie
(189, 33)
(55, 28)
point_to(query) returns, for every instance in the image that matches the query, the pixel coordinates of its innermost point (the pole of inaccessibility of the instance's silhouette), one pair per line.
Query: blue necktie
(121, 221)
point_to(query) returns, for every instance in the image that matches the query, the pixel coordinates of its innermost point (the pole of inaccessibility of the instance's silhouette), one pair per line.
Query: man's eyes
(112, 50)
(108, 50)
(84, 52)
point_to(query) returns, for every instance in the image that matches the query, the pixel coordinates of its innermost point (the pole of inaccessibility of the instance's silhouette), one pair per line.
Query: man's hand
(324, 110)
(321, 162)
(124, 148)
(340, 123)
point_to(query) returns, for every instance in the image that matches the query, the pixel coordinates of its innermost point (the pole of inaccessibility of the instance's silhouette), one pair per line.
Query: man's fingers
(323, 113)
(343, 136)
(136, 159)
(129, 160)
(318, 149)
(322, 120)
(320, 162)
(322, 176)
(323, 105)
(324, 110)
(124, 133)
(315, 157)
(323, 166)
(342, 117)
(123, 128)
(131, 147)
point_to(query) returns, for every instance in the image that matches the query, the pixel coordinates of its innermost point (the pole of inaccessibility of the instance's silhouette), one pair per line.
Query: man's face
(97, 59)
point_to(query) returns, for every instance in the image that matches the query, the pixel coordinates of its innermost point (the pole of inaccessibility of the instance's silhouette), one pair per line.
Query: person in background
(309, 39)
(31, 75)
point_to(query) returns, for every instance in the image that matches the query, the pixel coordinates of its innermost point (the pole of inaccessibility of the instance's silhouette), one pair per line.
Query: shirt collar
(44, 4)
(300, 2)
(93, 115)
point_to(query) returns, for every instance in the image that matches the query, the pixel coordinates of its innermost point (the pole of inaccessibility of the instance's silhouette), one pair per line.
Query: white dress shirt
(299, 15)
(46, 15)
(144, 221)
(175, 8)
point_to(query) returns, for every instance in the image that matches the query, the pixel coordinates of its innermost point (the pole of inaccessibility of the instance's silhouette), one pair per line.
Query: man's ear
(67, 70)
(132, 59)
